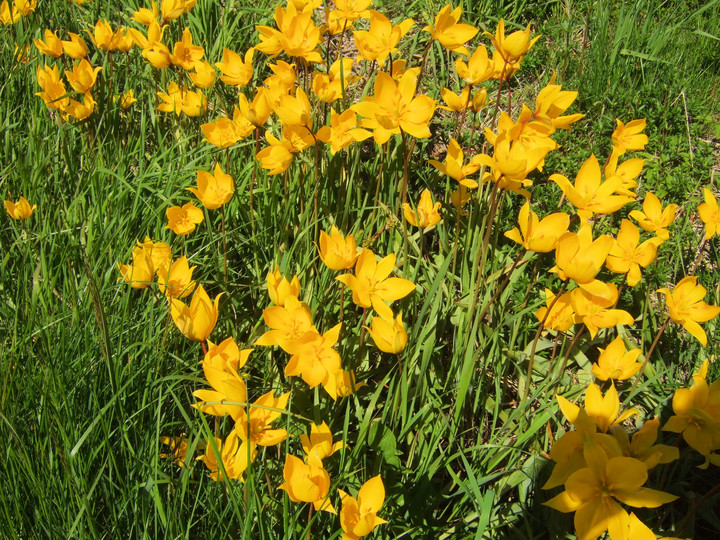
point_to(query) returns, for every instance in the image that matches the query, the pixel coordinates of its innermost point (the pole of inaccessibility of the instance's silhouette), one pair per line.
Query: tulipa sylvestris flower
(395, 107)
(140, 273)
(307, 482)
(342, 131)
(197, 320)
(75, 48)
(626, 256)
(709, 214)
(126, 99)
(338, 252)
(255, 426)
(204, 74)
(297, 36)
(687, 308)
(653, 217)
(455, 102)
(593, 493)
(358, 517)
(185, 54)
(596, 310)
(628, 171)
(589, 194)
(331, 86)
(224, 132)
(182, 220)
(320, 443)
(562, 316)
(616, 363)
(628, 137)
(178, 449)
(215, 189)
(513, 47)
(287, 323)
(159, 252)
(643, 445)
(697, 415)
(478, 69)
(389, 335)
(603, 411)
(315, 360)
(381, 39)
(54, 93)
(20, 210)
(226, 355)
(229, 458)
(182, 101)
(580, 258)
(83, 76)
(52, 46)
(236, 71)
(426, 213)
(535, 235)
(371, 286)
(279, 288)
(449, 32)
(454, 168)
(176, 280)
(229, 391)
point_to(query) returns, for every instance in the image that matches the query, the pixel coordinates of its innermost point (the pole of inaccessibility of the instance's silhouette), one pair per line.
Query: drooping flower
(215, 189)
(687, 308)
(371, 286)
(425, 214)
(358, 517)
(20, 210)
(182, 220)
(197, 320)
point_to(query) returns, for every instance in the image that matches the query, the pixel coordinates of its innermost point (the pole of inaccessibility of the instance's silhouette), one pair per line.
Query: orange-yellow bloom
(615, 362)
(371, 286)
(197, 320)
(320, 443)
(307, 482)
(255, 426)
(596, 310)
(342, 131)
(389, 335)
(182, 220)
(478, 69)
(687, 308)
(215, 189)
(185, 54)
(279, 288)
(204, 74)
(75, 48)
(338, 252)
(449, 32)
(513, 47)
(454, 168)
(20, 210)
(287, 323)
(653, 217)
(381, 39)
(709, 214)
(52, 46)
(539, 236)
(315, 360)
(628, 137)
(626, 256)
(425, 214)
(235, 71)
(175, 281)
(579, 257)
(83, 76)
(358, 517)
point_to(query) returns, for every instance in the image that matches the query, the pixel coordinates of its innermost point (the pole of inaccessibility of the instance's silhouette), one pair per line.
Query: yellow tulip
(320, 443)
(358, 517)
(513, 47)
(182, 220)
(389, 335)
(687, 308)
(709, 214)
(287, 323)
(20, 210)
(176, 280)
(381, 38)
(204, 75)
(279, 288)
(426, 214)
(315, 360)
(185, 54)
(197, 320)
(342, 131)
(83, 76)
(478, 69)
(256, 427)
(75, 48)
(579, 257)
(336, 251)
(52, 46)
(235, 71)
(307, 482)
(653, 217)
(449, 32)
(215, 189)
(539, 236)
(615, 362)
(628, 137)
(454, 168)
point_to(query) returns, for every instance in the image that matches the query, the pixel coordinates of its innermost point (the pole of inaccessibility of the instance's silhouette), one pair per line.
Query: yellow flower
(331, 86)
(279, 155)
(593, 493)
(185, 54)
(315, 360)
(7, 15)
(653, 218)
(186, 101)
(562, 316)
(513, 47)
(371, 286)
(426, 214)
(454, 168)
(295, 110)
(140, 273)
(479, 100)
(229, 391)
(178, 449)
(175, 281)
(351, 10)
(579, 257)
(145, 16)
(103, 36)
(215, 189)
(511, 163)
(20, 210)
(83, 76)
(615, 362)
(626, 256)
(589, 194)
(320, 443)
(382, 37)
(259, 110)
(204, 75)
(226, 355)
(77, 110)
(602, 411)
(197, 320)
(643, 445)
(697, 413)
(127, 99)
(451, 34)
(395, 107)
(454, 101)
(389, 335)
(52, 46)
(159, 252)
(709, 214)
(255, 426)
(628, 137)
(596, 310)
(550, 103)
(628, 171)
(279, 288)
(287, 323)
(307, 482)
(75, 48)
(336, 251)
(224, 132)
(687, 308)
(235, 71)
(25, 7)
(342, 131)
(297, 35)
(230, 456)
(182, 220)
(54, 93)
(478, 69)
(172, 9)
(345, 383)
(359, 517)
(539, 236)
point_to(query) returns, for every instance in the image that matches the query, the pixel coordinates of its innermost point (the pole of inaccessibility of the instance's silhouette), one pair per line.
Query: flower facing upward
(389, 335)
(342, 131)
(255, 426)
(215, 189)
(236, 71)
(371, 285)
(615, 362)
(75, 48)
(20, 210)
(358, 517)
(320, 443)
(307, 482)
(175, 281)
(381, 39)
(338, 252)
(709, 214)
(687, 308)
(182, 220)
(279, 288)
(449, 32)
(628, 255)
(513, 47)
(539, 236)
(315, 360)
(287, 323)
(426, 214)
(653, 217)
(197, 320)
(185, 54)
(628, 137)
(579, 257)
(52, 46)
